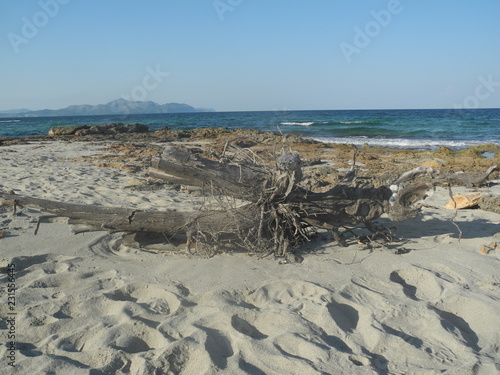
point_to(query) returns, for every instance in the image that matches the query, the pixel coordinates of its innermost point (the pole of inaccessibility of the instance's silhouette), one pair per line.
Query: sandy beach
(92, 303)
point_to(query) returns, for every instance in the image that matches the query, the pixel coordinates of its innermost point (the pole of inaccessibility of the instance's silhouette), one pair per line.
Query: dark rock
(106, 129)
(89, 131)
(126, 128)
(66, 130)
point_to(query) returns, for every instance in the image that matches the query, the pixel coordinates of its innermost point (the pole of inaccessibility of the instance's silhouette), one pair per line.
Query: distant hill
(14, 111)
(115, 107)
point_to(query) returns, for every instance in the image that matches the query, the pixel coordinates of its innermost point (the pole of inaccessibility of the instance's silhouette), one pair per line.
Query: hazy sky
(251, 54)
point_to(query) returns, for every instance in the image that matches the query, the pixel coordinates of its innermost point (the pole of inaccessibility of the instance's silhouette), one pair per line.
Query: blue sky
(251, 54)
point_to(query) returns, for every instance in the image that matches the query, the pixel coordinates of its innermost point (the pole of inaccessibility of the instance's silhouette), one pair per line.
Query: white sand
(86, 305)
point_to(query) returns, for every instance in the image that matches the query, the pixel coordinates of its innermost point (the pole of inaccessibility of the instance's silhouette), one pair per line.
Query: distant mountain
(14, 111)
(115, 107)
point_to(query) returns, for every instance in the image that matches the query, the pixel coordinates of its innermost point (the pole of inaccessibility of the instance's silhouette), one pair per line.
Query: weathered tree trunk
(183, 167)
(279, 214)
(115, 219)
(287, 210)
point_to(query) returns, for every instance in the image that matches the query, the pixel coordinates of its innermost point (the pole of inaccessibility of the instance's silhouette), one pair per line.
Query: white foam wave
(297, 123)
(352, 122)
(426, 144)
(10, 120)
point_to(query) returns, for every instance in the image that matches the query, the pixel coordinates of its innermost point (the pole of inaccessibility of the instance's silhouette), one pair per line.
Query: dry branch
(468, 179)
(115, 219)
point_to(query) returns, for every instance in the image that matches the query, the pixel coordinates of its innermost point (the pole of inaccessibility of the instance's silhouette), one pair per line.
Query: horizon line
(26, 114)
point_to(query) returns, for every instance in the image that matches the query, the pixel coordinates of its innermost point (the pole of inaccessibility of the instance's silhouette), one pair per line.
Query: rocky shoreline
(134, 145)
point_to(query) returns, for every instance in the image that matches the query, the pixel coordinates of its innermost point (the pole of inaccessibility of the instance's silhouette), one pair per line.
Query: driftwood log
(278, 215)
(285, 213)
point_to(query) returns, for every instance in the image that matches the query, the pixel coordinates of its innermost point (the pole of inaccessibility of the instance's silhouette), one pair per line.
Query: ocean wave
(10, 120)
(353, 122)
(423, 144)
(297, 123)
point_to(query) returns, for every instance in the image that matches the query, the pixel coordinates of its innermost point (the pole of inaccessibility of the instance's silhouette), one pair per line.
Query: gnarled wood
(183, 167)
(116, 219)
(279, 215)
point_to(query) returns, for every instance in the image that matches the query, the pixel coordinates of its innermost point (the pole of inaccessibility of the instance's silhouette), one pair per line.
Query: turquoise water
(422, 129)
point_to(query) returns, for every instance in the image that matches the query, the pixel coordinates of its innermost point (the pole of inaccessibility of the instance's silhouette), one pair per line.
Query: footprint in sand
(288, 292)
(114, 327)
(155, 298)
(303, 347)
(418, 284)
(65, 279)
(470, 318)
(241, 323)
(218, 346)
(131, 344)
(178, 358)
(55, 281)
(345, 316)
(56, 267)
(24, 262)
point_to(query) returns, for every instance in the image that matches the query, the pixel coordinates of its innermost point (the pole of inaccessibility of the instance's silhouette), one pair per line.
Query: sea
(416, 128)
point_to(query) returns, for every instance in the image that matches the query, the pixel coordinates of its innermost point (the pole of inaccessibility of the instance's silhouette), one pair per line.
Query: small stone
(107, 129)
